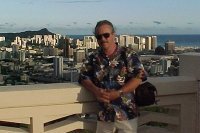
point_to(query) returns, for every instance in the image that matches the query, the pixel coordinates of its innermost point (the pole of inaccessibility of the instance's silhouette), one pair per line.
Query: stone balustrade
(56, 108)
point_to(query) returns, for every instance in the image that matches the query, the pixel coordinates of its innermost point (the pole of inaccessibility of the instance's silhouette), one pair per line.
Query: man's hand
(113, 94)
(102, 95)
(141, 75)
(107, 95)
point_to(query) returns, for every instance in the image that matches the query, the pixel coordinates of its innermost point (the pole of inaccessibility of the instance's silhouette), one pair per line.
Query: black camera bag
(145, 94)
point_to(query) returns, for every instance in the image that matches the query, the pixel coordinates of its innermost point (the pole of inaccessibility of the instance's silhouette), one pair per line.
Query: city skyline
(70, 17)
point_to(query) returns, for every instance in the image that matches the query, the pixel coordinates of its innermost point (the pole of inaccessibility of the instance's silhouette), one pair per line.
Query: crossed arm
(107, 96)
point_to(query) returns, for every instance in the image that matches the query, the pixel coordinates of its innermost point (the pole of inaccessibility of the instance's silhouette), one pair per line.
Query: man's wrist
(138, 76)
(121, 92)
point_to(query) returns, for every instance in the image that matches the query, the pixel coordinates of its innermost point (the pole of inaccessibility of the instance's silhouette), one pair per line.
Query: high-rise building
(80, 55)
(79, 43)
(166, 63)
(3, 54)
(137, 41)
(148, 43)
(53, 51)
(15, 50)
(50, 51)
(2, 38)
(18, 40)
(169, 47)
(90, 42)
(49, 40)
(64, 41)
(68, 52)
(45, 51)
(58, 67)
(125, 40)
(37, 39)
(156, 69)
(24, 41)
(142, 43)
(153, 42)
(22, 55)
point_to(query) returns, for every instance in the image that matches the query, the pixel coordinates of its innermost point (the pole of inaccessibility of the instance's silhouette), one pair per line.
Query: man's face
(105, 36)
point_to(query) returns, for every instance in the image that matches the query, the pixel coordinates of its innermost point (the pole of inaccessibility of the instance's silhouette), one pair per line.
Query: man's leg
(127, 126)
(105, 127)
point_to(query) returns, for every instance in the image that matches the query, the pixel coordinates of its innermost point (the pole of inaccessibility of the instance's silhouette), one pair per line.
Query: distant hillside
(25, 34)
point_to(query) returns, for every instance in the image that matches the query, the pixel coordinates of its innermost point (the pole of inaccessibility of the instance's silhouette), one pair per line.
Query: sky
(79, 17)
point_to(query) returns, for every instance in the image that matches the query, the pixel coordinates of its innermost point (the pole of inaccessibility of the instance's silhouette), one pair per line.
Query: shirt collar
(116, 52)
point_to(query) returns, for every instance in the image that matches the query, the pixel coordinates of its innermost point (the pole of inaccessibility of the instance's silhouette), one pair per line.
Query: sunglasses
(105, 35)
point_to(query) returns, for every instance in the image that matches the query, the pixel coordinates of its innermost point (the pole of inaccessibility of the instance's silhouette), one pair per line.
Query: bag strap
(123, 55)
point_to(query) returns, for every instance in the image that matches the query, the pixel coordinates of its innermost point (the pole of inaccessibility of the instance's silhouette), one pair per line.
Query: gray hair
(103, 22)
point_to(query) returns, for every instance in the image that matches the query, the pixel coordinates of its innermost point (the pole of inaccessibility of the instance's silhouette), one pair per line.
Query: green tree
(159, 51)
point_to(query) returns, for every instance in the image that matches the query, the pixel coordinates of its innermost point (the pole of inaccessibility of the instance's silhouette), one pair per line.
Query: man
(111, 74)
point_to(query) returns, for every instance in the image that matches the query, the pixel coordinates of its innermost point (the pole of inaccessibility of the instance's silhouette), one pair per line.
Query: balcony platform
(56, 108)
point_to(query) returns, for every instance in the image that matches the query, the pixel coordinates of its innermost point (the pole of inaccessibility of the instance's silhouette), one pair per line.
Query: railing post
(36, 124)
(188, 67)
(188, 114)
(198, 108)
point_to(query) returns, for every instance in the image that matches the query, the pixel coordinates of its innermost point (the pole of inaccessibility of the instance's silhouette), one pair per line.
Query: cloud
(89, 23)
(131, 22)
(79, 1)
(6, 24)
(12, 25)
(74, 22)
(1, 26)
(157, 22)
(30, 2)
(171, 27)
(189, 23)
(48, 24)
(72, 30)
(27, 2)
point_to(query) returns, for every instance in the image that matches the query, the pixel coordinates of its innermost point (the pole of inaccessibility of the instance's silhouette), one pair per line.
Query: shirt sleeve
(86, 71)
(134, 66)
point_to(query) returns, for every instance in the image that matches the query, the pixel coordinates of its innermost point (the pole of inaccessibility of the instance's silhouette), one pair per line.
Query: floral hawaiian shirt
(112, 73)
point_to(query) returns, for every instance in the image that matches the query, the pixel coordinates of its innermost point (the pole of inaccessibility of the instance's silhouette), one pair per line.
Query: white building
(148, 43)
(125, 40)
(90, 42)
(153, 42)
(2, 38)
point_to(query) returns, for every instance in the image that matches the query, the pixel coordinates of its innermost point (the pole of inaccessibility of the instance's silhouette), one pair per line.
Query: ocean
(180, 40)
